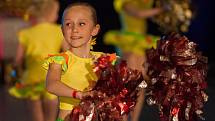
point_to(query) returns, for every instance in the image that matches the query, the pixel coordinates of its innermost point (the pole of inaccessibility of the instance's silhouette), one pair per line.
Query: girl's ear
(62, 28)
(96, 30)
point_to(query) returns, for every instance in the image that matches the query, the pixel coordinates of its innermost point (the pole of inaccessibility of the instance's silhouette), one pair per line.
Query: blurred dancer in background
(43, 37)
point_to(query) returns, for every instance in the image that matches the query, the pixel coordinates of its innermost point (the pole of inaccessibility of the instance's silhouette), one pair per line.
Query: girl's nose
(74, 28)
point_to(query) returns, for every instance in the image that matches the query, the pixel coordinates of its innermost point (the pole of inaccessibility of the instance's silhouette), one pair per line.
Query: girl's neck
(85, 53)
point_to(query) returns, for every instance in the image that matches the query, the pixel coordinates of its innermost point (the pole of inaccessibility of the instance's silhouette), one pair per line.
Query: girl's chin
(76, 46)
(79, 45)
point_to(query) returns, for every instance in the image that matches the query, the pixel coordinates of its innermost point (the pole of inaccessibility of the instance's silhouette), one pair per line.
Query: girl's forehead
(78, 9)
(77, 12)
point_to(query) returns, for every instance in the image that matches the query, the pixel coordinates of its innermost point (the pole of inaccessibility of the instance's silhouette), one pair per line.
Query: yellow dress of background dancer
(132, 36)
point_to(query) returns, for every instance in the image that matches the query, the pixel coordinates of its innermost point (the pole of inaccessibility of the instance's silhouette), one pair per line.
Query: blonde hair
(41, 8)
(85, 4)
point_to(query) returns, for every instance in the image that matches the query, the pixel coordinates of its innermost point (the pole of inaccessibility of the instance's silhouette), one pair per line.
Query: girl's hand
(82, 95)
(92, 94)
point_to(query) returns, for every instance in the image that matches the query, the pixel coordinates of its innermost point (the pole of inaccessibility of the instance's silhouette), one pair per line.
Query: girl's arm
(53, 84)
(19, 59)
(139, 13)
(19, 55)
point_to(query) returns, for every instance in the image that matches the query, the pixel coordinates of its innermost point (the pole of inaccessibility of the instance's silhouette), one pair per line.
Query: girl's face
(78, 26)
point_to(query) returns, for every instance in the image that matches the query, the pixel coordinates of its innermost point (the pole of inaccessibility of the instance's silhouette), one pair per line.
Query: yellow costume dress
(76, 73)
(132, 37)
(38, 41)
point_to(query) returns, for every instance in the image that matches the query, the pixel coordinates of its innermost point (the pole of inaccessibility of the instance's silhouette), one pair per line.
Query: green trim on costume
(56, 59)
(130, 41)
(58, 119)
(22, 91)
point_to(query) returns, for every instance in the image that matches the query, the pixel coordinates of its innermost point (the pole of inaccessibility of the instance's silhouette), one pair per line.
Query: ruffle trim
(61, 59)
(22, 91)
(129, 41)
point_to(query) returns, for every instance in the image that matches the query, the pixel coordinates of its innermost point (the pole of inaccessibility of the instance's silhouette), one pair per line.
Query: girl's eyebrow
(67, 19)
(79, 19)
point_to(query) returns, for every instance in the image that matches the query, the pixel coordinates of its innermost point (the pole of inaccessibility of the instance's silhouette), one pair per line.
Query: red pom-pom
(177, 72)
(116, 88)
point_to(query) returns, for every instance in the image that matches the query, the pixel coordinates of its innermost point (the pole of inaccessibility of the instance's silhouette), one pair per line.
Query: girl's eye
(68, 24)
(81, 24)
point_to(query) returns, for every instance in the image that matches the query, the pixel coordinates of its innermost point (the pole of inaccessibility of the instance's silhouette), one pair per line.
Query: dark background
(201, 32)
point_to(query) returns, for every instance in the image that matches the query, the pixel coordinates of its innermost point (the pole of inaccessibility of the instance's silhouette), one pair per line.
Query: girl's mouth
(75, 37)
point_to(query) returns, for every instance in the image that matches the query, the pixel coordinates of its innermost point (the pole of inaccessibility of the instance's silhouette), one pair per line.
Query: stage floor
(12, 109)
